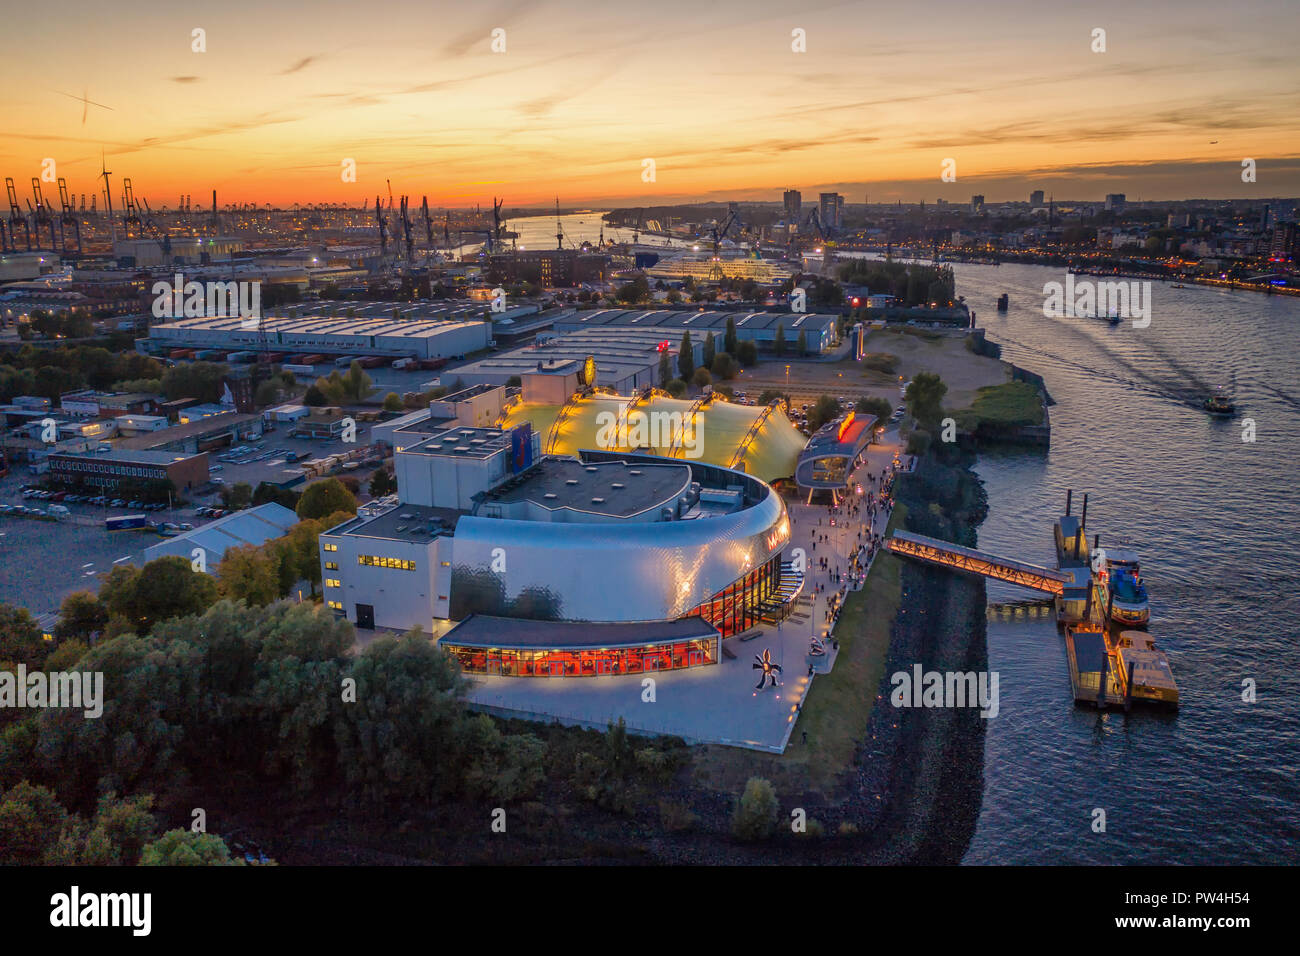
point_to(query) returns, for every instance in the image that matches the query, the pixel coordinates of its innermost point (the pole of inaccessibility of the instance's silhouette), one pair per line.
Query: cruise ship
(698, 265)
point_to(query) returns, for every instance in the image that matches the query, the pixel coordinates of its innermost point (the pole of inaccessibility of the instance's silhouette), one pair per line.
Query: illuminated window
(334, 605)
(379, 561)
(333, 583)
(331, 565)
(446, 564)
(331, 547)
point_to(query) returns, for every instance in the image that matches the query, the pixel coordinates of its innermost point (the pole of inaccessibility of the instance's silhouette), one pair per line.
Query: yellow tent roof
(609, 422)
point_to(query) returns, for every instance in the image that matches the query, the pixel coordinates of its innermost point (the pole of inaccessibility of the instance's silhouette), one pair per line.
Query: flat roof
(482, 630)
(682, 319)
(203, 426)
(129, 456)
(614, 488)
(404, 522)
(462, 441)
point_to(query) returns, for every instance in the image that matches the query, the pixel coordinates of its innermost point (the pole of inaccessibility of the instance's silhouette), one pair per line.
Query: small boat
(1152, 678)
(1123, 591)
(1179, 285)
(1003, 301)
(1114, 319)
(1219, 403)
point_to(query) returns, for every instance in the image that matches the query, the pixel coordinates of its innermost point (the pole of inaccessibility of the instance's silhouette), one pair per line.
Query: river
(1215, 521)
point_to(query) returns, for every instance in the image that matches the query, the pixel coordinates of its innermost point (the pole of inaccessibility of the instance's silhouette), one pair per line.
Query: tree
(770, 395)
(164, 588)
(755, 814)
(315, 397)
(236, 497)
(250, 574)
(724, 366)
(778, 343)
(325, 498)
(686, 357)
(31, 820)
(879, 407)
(676, 388)
(382, 483)
(702, 377)
(119, 831)
(729, 337)
(824, 410)
(20, 637)
(925, 400)
(267, 492)
(710, 351)
(802, 345)
(638, 290)
(392, 402)
(747, 352)
(665, 369)
(186, 848)
(81, 615)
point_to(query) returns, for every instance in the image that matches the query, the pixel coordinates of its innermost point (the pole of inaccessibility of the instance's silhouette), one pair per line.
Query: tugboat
(1219, 403)
(1003, 301)
(1123, 590)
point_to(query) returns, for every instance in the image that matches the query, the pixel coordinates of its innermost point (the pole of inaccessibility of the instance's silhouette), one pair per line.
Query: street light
(787, 389)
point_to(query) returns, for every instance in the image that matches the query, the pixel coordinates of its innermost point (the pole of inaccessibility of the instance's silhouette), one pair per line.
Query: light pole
(787, 389)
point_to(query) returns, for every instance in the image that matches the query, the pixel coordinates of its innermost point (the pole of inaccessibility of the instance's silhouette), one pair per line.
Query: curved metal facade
(620, 571)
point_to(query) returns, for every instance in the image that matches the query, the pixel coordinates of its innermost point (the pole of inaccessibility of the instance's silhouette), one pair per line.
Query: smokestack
(1096, 541)
(1083, 515)
(1069, 496)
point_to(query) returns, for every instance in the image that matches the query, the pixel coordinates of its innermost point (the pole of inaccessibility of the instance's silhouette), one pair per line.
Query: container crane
(68, 218)
(41, 214)
(16, 217)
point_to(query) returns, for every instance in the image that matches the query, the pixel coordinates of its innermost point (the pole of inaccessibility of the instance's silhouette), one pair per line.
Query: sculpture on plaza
(769, 668)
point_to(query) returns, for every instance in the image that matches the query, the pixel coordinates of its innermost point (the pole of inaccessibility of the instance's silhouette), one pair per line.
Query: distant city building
(793, 205)
(1036, 197)
(1115, 202)
(976, 204)
(830, 208)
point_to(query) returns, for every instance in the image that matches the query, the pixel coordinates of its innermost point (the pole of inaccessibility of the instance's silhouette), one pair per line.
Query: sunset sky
(711, 91)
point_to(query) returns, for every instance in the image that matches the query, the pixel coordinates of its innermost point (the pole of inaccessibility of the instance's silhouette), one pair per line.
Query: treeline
(49, 373)
(912, 283)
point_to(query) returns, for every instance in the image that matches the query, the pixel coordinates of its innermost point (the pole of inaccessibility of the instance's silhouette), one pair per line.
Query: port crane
(719, 233)
(104, 173)
(130, 212)
(16, 217)
(41, 214)
(383, 228)
(406, 232)
(68, 218)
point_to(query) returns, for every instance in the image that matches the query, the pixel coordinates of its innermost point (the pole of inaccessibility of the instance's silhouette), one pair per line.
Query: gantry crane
(68, 218)
(41, 214)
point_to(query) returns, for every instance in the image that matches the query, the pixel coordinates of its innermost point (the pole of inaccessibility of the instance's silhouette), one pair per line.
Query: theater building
(831, 455)
(603, 562)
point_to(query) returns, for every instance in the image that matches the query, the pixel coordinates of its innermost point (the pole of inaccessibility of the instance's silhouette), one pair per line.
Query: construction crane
(719, 233)
(68, 218)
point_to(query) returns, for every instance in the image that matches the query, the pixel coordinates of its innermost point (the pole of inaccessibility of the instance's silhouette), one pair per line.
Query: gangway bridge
(954, 556)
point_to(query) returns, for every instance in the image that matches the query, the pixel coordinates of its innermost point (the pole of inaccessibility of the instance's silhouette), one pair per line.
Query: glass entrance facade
(739, 606)
(584, 662)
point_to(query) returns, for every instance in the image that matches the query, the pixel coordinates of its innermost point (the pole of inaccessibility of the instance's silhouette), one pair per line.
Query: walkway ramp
(955, 557)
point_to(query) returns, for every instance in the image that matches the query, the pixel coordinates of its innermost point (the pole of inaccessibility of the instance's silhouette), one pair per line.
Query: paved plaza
(719, 703)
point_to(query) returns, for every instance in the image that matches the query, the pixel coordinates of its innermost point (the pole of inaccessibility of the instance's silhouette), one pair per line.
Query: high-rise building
(977, 204)
(1036, 198)
(1115, 202)
(793, 205)
(831, 210)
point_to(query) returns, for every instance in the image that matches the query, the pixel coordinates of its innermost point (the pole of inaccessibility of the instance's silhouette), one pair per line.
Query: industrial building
(627, 359)
(819, 329)
(253, 526)
(107, 470)
(423, 339)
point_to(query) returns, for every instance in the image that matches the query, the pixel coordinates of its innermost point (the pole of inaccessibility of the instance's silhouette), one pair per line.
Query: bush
(724, 366)
(702, 377)
(770, 395)
(755, 816)
(881, 362)
(392, 402)
(676, 818)
(918, 443)
(676, 388)
(879, 407)
(747, 352)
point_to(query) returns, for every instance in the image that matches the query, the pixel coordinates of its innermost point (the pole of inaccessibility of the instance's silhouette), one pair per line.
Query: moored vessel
(1122, 588)
(1146, 668)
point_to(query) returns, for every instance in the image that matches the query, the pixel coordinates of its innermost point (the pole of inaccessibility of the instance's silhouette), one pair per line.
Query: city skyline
(580, 97)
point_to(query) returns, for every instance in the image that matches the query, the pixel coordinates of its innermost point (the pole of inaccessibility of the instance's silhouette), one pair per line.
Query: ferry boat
(1123, 590)
(1150, 677)
(1219, 403)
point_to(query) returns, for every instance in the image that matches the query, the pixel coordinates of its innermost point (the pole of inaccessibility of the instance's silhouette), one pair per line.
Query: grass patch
(880, 362)
(1011, 404)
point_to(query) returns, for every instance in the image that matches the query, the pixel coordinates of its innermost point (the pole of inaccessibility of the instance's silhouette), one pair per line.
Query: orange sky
(712, 92)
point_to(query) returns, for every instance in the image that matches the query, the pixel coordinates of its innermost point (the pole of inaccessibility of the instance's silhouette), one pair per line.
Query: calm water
(538, 232)
(1215, 520)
